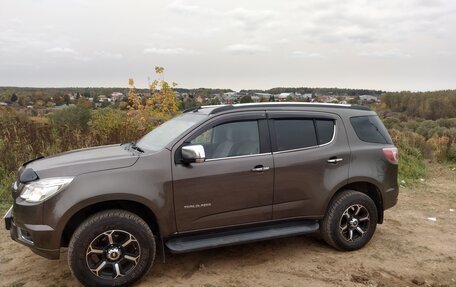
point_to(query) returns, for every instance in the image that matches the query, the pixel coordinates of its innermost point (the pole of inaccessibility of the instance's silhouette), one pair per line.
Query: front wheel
(350, 221)
(111, 248)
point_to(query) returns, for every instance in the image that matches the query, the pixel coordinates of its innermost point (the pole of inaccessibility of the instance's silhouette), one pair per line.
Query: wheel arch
(366, 187)
(135, 207)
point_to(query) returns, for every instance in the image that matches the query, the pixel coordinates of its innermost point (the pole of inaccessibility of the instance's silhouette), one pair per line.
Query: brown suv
(213, 176)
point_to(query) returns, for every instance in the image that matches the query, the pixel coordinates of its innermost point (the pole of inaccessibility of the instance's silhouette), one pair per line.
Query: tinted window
(230, 139)
(294, 134)
(370, 129)
(325, 130)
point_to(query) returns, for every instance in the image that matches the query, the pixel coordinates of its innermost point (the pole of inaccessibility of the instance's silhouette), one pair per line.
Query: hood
(81, 161)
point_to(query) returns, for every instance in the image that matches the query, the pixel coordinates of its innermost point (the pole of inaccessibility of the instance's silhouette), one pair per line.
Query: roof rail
(222, 108)
(192, 109)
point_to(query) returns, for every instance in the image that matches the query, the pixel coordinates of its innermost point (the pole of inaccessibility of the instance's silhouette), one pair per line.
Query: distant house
(303, 97)
(102, 98)
(325, 99)
(4, 104)
(255, 98)
(283, 96)
(369, 98)
(199, 99)
(116, 96)
(231, 97)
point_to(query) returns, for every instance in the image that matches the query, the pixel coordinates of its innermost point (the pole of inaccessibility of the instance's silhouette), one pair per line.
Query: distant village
(119, 99)
(254, 97)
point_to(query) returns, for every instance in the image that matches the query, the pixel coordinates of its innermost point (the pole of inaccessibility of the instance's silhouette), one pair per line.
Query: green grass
(6, 179)
(411, 165)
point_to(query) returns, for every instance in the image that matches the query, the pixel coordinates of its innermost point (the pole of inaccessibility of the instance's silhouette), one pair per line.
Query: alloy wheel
(113, 254)
(354, 222)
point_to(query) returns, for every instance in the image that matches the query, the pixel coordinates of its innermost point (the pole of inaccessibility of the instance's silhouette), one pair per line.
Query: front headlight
(42, 189)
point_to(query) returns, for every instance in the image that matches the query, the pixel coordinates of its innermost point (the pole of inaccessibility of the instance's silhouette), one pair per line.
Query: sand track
(407, 250)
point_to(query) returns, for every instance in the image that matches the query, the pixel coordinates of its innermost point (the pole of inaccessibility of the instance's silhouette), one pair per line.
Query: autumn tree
(149, 111)
(163, 96)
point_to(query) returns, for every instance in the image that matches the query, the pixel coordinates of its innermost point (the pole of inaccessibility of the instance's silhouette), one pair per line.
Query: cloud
(251, 20)
(62, 50)
(169, 51)
(302, 54)
(186, 9)
(108, 55)
(391, 53)
(245, 49)
(332, 21)
(179, 7)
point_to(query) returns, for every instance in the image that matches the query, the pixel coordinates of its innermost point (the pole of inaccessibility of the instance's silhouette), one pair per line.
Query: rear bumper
(390, 197)
(30, 234)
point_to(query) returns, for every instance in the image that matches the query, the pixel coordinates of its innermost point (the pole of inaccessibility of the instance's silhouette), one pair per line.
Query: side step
(240, 236)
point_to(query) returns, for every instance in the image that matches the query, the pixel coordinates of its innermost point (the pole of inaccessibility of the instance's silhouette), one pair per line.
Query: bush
(451, 154)
(75, 117)
(411, 164)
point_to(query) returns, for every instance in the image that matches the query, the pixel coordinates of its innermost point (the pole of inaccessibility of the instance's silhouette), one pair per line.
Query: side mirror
(193, 153)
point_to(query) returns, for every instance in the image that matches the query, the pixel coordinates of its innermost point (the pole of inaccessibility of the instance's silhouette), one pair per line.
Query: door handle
(260, 168)
(335, 160)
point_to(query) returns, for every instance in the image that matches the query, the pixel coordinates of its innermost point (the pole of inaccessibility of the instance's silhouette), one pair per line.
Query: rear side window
(325, 130)
(370, 129)
(295, 133)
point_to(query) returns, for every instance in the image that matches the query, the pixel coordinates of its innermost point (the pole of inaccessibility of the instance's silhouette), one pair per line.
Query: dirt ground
(409, 249)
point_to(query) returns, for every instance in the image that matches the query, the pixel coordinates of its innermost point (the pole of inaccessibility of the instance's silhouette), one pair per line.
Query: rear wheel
(350, 221)
(111, 248)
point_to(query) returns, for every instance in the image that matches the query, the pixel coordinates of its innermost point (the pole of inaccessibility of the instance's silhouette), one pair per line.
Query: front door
(235, 184)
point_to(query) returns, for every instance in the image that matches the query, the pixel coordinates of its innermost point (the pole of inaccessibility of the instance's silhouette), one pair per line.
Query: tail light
(391, 154)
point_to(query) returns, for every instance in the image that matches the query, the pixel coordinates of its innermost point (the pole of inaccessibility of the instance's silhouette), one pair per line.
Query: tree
(246, 99)
(148, 112)
(59, 100)
(163, 96)
(84, 102)
(67, 99)
(214, 101)
(13, 98)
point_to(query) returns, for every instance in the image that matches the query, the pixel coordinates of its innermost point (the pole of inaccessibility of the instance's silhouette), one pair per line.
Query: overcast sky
(237, 44)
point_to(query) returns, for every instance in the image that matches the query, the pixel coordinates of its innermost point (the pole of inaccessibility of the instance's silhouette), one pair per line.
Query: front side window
(295, 133)
(230, 139)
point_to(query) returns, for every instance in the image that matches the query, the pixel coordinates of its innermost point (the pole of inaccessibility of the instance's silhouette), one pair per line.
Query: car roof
(216, 109)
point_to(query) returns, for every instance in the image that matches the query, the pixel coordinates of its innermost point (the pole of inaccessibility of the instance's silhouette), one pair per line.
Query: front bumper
(31, 234)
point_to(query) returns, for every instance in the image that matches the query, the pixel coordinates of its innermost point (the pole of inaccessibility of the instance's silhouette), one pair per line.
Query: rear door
(235, 184)
(311, 158)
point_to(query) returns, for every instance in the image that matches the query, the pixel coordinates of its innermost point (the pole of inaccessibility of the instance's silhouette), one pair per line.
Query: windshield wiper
(135, 147)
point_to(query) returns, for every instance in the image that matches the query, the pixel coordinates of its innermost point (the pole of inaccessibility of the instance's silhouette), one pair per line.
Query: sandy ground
(407, 250)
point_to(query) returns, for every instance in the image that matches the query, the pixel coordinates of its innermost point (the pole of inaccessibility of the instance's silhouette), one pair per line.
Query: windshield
(162, 135)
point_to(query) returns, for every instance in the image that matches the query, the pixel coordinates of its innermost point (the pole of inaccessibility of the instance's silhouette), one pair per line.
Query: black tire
(120, 239)
(341, 223)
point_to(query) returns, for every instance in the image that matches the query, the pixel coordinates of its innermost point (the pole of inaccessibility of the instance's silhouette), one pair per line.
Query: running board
(240, 236)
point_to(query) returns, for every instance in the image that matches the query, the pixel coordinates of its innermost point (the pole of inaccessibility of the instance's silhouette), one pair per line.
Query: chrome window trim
(238, 156)
(310, 147)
